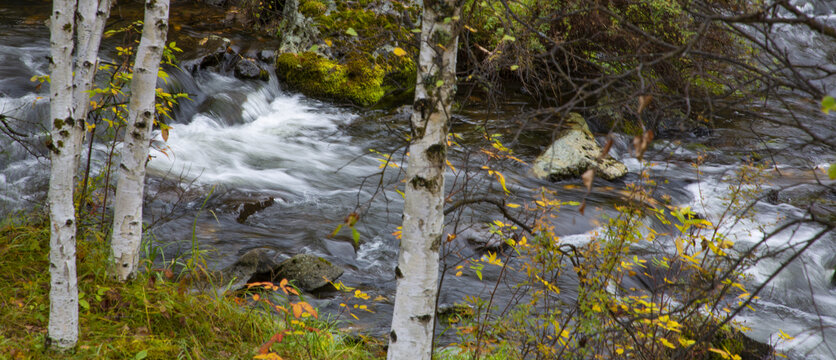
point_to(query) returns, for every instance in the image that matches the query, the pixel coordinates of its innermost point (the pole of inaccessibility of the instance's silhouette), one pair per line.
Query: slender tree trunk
(90, 21)
(63, 292)
(127, 218)
(417, 272)
(68, 106)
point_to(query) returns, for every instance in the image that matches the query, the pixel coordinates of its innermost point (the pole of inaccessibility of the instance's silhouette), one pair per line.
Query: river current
(247, 141)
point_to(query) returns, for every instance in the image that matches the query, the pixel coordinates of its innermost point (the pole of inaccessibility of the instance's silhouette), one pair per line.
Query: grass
(155, 316)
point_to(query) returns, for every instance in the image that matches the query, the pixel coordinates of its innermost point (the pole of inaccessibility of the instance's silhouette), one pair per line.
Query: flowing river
(245, 141)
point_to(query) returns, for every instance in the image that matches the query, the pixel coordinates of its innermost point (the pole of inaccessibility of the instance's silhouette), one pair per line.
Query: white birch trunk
(90, 22)
(127, 217)
(417, 272)
(63, 292)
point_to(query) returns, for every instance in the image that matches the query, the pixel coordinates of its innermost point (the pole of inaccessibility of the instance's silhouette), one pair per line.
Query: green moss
(312, 8)
(357, 81)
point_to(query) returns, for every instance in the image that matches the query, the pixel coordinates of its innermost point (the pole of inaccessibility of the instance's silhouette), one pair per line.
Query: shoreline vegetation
(158, 315)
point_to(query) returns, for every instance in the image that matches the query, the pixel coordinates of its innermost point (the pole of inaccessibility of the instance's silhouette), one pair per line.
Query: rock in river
(307, 271)
(248, 69)
(573, 153)
(254, 265)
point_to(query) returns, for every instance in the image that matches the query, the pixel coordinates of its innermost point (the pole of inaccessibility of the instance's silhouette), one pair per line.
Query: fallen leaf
(587, 178)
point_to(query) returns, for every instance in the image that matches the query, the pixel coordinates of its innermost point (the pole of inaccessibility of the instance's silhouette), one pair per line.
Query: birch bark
(68, 111)
(417, 271)
(127, 217)
(90, 22)
(63, 292)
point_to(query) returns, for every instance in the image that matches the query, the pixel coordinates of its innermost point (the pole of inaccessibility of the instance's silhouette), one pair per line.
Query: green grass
(155, 316)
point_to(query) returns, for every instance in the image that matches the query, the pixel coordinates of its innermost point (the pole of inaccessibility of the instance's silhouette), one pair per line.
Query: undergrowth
(156, 316)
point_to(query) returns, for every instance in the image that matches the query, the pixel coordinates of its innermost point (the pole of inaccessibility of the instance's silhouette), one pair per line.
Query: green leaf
(351, 31)
(831, 172)
(84, 304)
(416, 30)
(356, 236)
(439, 83)
(514, 67)
(337, 230)
(141, 355)
(827, 104)
(509, 38)
(314, 48)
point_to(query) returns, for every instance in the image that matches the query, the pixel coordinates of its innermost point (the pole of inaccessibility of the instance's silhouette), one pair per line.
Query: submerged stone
(573, 153)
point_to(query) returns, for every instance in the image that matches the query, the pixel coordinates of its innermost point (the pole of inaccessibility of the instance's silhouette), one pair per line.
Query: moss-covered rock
(312, 8)
(357, 81)
(353, 58)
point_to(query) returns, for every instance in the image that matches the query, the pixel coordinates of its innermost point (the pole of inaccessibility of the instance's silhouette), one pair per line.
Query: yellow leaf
(722, 353)
(398, 51)
(667, 343)
(270, 356)
(501, 181)
(619, 351)
(784, 335)
(685, 342)
(513, 206)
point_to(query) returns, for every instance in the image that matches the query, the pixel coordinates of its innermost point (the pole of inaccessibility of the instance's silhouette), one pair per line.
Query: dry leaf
(644, 101)
(606, 149)
(587, 177)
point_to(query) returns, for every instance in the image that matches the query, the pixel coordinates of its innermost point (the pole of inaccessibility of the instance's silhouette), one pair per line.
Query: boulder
(248, 69)
(802, 195)
(308, 272)
(254, 265)
(250, 208)
(820, 200)
(573, 153)
(267, 56)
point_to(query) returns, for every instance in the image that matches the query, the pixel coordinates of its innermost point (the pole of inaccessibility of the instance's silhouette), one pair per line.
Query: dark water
(243, 142)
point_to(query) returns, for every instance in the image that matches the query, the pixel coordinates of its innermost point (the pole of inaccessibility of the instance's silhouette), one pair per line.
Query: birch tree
(127, 217)
(423, 221)
(70, 82)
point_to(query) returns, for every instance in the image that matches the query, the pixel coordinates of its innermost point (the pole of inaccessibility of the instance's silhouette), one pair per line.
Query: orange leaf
(297, 310)
(309, 309)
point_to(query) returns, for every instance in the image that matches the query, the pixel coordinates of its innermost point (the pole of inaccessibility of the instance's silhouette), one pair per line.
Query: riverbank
(156, 316)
